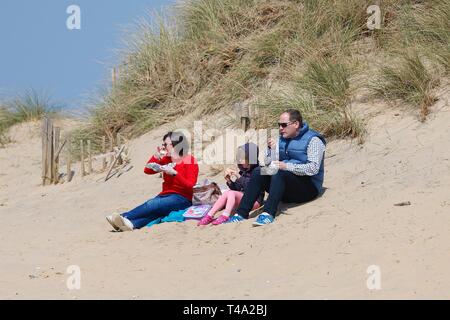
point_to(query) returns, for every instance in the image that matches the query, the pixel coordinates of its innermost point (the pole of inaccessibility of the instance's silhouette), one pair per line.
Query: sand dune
(319, 250)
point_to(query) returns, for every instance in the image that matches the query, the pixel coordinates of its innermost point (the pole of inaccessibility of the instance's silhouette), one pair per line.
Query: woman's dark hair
(179, 142)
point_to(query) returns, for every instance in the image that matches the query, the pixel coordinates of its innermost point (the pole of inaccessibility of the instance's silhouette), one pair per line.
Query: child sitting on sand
(247, 160)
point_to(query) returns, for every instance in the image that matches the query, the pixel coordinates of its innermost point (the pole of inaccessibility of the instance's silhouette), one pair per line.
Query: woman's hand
(169, 170)
(160, 152)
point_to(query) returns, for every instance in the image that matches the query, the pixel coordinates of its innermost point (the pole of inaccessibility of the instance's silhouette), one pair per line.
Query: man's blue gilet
(295, 151)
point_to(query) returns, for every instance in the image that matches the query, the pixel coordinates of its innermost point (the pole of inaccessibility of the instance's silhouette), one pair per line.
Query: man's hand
(281, 165)
(271, 143)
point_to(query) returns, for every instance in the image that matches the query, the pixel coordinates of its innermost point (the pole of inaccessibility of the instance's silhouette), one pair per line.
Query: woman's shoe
(123, 223)
(205, 220)
(111, 222)
(220, 220)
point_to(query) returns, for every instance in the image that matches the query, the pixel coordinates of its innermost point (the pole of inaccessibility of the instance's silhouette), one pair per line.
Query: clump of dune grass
(424, 26)
(423, 22)
(441, 55)
(5, 124)
(219, 20)
(206, 55)
(328, 82)
(409, 80)
(332, 123)
(322, 93)
(29, 106)
(216, 53)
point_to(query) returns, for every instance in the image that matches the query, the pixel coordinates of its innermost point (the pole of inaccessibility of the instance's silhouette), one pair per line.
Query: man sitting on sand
(300, 173)
(180, 173)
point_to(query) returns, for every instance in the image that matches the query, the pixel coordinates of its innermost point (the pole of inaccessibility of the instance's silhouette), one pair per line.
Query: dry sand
(319, 250)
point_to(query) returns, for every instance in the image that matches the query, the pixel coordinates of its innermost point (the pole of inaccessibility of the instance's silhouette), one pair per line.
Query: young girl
(247, 160)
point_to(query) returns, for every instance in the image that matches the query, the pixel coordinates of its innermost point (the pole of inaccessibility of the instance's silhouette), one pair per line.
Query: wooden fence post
(113, 77)
(69, 165)
(44, 150)
(114, 163)
(48, 152)
(83, 172)
(111, 147)
(89, 156)
(51, 152)
(55, 159)
(51, 149)
(245, 117)
(104, 151)
(119, 144)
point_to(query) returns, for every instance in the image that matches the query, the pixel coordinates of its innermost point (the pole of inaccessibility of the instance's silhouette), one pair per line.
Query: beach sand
(319, 250)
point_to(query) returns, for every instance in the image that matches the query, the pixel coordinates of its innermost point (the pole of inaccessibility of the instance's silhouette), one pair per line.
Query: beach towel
(174, 216)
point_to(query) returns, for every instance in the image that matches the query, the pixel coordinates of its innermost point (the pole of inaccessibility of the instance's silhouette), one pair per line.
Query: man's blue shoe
(235, 218)
(263, 219)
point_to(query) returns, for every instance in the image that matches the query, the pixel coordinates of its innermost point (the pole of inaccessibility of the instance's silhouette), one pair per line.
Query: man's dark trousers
(283, 186)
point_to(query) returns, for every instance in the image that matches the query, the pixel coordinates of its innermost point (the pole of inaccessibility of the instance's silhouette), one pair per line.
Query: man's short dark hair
(295, 115)
(179, 142)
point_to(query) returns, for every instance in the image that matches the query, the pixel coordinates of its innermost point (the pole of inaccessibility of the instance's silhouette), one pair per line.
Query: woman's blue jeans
(158, 207)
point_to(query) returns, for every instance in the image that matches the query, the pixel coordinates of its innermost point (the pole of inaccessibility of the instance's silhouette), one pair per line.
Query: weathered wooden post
(69, 165)
(114, 163)
(55, 159)
(44, 150)
(51, 149)
(104, 151)
(119, 144)
(111, 149)
(113, 76)
(244, 113)
(83, 172)
(47, 151)
(51, 153)
(89, 156)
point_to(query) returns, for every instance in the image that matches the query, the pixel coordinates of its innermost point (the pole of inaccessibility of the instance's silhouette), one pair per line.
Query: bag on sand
(206, 193)
(197, 212)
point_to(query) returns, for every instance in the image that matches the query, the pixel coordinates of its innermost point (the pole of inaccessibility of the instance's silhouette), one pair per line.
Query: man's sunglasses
(285, 124)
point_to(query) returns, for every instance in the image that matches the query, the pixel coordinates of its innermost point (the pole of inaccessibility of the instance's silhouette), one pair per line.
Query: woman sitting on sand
(180, 172)
(247, 159)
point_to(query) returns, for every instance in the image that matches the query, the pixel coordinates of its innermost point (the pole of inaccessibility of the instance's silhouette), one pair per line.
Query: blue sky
(38, 51)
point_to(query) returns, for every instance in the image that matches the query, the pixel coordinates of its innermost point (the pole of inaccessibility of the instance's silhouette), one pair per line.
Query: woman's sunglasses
(285, 124)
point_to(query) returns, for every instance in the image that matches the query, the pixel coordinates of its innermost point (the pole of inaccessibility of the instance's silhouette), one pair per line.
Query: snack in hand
(169, 169)
(154, 166)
